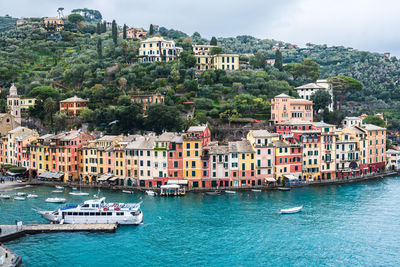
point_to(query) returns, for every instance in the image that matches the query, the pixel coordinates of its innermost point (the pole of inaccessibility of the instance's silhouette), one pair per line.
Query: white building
(305, 91)
(393, 160)
(351, 121)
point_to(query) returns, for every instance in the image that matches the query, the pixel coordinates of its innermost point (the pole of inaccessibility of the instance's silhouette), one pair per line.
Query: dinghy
(79, 193)
(127, 192)
(284, 188)
(32, 196)
(4, 196)
(20, 194)
(55, 200)
(291, 210)
(59, 187)
(19, 198)
(256, 190)
(57, 191)
(230, 192)
(150, 193)
(213, 193)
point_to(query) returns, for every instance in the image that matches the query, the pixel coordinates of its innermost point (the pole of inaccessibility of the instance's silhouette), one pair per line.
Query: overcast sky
(362, 24)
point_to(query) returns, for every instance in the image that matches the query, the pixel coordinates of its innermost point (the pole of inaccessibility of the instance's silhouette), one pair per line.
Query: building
(393, 160)
(288, 162)
(26, 103)
(347, 156)
(305, 91)
(175, 157)
(284, 108)
(134, 33)
(328, 149)
(202, 49)
(14, 104)
(7, 123)
(53, 24)
(21, 22)
(217, 62)
(351, 121)
(243, 170)
(73, 106)
(157, 49)
(148, 99)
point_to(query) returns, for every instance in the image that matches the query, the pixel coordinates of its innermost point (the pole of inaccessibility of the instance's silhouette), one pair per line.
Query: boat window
(69, 213)
(109, 213)
(98, 214)
(74, 213)
(86, 214)
(55, 213)
(91, 214)
(85, 206)
(80, 213)
(103, 214)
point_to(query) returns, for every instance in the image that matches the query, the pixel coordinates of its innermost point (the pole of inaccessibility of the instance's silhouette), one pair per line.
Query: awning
(105, 177)
(270, 179)
(180, 181)
(51, 175)
(113, 179)
(11, 173)
(170, 186)
(290, 177)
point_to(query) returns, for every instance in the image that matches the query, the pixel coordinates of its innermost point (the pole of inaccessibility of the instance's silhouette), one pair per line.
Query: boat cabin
(172, 190)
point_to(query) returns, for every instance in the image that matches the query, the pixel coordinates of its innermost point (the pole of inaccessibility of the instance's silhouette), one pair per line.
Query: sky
(368, 25)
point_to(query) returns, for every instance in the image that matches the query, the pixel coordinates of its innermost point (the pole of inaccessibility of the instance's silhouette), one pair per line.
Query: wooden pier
(10, 232)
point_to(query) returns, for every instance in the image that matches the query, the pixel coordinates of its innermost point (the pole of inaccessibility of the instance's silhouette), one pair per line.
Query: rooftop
(74, 99)
(243, 146)
(263, 133)
(371, 127)
(199, 128)
(310, 86)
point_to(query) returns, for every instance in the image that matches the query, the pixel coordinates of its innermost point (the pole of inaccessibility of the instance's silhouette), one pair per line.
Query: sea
(354, 224)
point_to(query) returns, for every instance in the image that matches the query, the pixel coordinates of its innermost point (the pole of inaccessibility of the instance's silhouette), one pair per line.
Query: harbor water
(345, 225)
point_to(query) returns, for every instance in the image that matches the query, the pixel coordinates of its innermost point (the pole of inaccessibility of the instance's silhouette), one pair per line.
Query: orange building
(73, 105)
(284, 108)
(148, 99)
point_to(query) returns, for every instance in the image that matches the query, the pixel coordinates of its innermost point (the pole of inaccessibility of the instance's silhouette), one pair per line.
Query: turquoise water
(355, 224)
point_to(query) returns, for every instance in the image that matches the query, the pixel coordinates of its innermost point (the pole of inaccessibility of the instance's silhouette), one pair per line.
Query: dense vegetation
(95, 63)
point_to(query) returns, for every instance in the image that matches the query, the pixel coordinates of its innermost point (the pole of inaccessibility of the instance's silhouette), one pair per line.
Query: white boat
(127, 192)
(55, 200)
(151, 193)
(96, 211)
(230, 192)
(59, 187)
(291, 210)
(79, 193)
(74, 188)
(20, 194)
(32, 196)
(284, 188)
(256, 190)
(19, 198)
(213, 193)
(4, 196)
(57, 191)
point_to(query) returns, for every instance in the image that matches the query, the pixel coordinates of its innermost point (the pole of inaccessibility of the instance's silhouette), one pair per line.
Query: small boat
(59, 187)
(20, 194)
(19, 198)
(79, 193)
(32, 196)
(291, 210)
(4, 196)
(127, 192)
(55, 200)
(151, 193)
(213, 193)
(230, 192)
(256, 190)
(284, 188)
(74, 188)
(57, 191)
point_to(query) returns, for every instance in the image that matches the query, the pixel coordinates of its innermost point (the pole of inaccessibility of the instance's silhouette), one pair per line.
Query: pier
(10, 232)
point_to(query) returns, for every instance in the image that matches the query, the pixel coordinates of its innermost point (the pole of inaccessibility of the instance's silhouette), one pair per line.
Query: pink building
(134, 33)
(284, 108)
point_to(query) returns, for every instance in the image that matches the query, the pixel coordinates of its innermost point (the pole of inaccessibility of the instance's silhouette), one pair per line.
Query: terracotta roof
(282, 95)
(74, 99)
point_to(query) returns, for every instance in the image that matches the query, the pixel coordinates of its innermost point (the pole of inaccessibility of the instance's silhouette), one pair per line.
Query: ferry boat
(96, 211)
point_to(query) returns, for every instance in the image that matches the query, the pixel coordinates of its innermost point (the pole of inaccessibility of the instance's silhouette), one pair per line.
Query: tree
(307, 69)
(163, 118)
(75, 18)
(50, 107)
(258, 61)
(98, 28)
(278, 60)
(375, 120)
(99, 48)
(104, 27)
(188, 59)
(229, 115)
(43, 92)
(124, 31)
(60, 121)
(151, 30)
(341, 85)
(213, 41)
(114, 31)
(191, 121)
(321, 100)
(215, 50)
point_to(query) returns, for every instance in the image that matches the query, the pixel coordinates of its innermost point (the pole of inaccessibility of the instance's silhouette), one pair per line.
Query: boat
(4, 196)
(291, 210)
(74, 188)
(55, 200)
(57, 191)
(19, 198)
(213, 193)
(172, 190)
(230, 192)
(59, 187)
(20, 194)
(127, 192)
(284, 188)
(256, 190)
(151, 193)
(32, 196)
(79, 193)
(96, 211)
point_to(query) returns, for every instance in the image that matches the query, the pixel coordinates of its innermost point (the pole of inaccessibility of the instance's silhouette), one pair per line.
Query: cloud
(362, 24)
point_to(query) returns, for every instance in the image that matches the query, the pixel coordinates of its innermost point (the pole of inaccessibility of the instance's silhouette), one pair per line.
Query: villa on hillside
(148, 99)
(305, 91)
(157, 49)
(284, 108)
(207, 61)
(73, 105)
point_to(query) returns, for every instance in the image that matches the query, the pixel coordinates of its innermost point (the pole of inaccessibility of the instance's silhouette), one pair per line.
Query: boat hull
(131, 220)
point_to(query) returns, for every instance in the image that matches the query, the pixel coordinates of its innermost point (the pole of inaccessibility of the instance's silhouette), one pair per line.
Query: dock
(10, 232)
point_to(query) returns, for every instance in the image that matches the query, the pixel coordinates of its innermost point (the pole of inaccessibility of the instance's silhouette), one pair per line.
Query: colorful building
(328, 149)
(284, 108)
(288, 162)
(307, 90)
(147, 100)
(73, 106)
(157, 49)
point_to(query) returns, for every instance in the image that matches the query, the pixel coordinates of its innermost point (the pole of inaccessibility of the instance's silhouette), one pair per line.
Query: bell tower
(14, 103)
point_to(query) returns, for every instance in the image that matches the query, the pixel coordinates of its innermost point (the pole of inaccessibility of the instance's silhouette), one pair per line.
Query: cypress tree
(98, 28)
(278, 60)
(104, 27)
(213, 41)
(124, 32)
(151, 30)
(99, 48)
(114, 32)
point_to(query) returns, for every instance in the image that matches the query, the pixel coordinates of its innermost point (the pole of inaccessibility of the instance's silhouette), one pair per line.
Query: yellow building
(217, 62)
(53, 23)
(26, 103)
(192, 157)
(157, 49)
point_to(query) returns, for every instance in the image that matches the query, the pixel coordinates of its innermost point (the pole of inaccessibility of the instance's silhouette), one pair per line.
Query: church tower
(14, 103)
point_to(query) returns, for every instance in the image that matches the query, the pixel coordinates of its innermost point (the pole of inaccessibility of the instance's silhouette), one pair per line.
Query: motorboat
(55, 200)
(20, 194)
(57, 191)
(4, 196)
(74, 188)
(79, 193)
(284, 188)
(230, 192)
(291, 210)
(172, 190)
(151, 193)
(127, 191)
(19, 198)
(96, 211)
(59, 187)
(32, 196)
(256, 190)
(213, 193)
